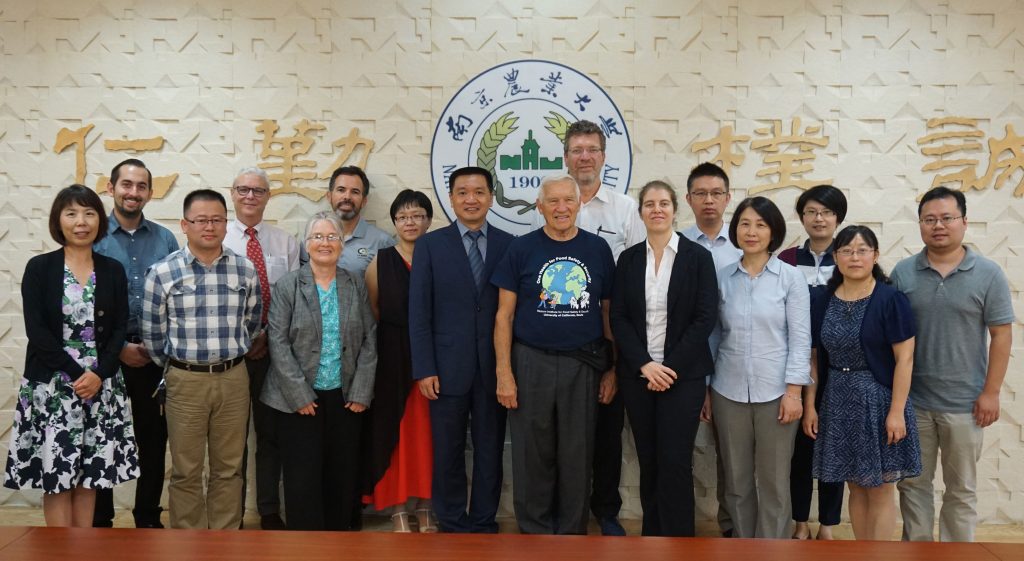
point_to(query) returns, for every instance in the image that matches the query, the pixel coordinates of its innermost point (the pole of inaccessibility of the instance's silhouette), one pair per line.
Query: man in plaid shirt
(201, 311)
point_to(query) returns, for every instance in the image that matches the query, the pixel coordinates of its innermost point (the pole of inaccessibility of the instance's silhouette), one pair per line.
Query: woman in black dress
(398, 474)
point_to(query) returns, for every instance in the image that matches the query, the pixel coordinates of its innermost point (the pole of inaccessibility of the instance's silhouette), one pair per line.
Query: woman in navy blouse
(863, 336)
(763, 354)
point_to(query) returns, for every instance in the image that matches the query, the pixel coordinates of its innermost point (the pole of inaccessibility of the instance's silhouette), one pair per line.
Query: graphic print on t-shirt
(562, 284)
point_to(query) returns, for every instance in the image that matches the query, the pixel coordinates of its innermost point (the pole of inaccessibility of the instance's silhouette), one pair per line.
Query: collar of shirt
(190, 258)
(966, 264)
(463, 228)
(773, 266)
(113, 225)
(807, 248)
(696, 234)
(239, 227)
(360, 230)
(673, 244)
(601, 195)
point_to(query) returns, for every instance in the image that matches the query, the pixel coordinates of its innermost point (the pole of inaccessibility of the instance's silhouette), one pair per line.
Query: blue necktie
(476, 259)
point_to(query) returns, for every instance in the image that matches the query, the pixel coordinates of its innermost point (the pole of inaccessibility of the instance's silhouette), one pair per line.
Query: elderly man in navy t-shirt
(552, 324)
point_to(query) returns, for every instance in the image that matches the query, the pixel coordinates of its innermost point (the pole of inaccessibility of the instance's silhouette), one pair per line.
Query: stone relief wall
(205, 75)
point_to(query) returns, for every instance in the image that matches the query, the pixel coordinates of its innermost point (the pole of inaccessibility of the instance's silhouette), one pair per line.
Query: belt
(210, 368)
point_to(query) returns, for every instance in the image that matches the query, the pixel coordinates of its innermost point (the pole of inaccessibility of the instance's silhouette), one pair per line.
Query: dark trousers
(268, 458)
(449, 416)
(552, 441)
(665, 430)
(320, 456)
(604, 498)
(151, 438)
(801, 485)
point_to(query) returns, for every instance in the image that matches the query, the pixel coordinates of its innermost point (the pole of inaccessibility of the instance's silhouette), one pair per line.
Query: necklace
(851, 300)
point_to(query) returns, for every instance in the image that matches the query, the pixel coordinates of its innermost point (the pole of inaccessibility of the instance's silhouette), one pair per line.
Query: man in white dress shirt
(274, 252)
(615, 218)
(707, 193)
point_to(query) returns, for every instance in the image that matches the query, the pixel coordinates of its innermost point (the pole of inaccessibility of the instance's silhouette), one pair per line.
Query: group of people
(365, 360)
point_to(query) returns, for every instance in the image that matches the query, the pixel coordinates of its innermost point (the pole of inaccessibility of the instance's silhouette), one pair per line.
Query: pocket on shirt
(276, 268)
(181, 305)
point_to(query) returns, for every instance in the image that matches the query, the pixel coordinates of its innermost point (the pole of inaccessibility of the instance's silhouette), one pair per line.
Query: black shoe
(610, 526)
(727, 534)
(148, 524)
(102, 523)
(272, 522)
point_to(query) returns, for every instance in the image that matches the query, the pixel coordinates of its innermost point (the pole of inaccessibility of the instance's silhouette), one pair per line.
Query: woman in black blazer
(664, 307)
(71, 431)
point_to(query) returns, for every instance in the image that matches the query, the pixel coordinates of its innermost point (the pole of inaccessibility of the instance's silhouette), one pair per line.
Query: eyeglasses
(330, 238)
(414, 219)
(862, 252)
(931, 221)
(824, 213)
(716, 195)
(257, 192)
(204, 222)
(577, 152)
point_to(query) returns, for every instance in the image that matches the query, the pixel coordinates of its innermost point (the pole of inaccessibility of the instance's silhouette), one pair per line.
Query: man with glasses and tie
(707, 193)
(273, 252)
(614, 217)
(200, 315)
(451, 324)
(964, 314)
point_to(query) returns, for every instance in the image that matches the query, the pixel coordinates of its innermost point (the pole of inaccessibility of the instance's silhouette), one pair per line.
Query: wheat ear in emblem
(487, 153)
(557, 125)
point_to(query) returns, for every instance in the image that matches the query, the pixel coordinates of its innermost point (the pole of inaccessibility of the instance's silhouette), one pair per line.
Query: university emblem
(511, 120)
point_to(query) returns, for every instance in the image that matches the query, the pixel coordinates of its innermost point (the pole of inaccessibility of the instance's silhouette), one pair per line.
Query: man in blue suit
(451, 327)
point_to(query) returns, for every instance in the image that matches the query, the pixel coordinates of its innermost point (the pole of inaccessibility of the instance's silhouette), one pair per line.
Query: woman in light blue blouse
(763, 359)
(323, 349)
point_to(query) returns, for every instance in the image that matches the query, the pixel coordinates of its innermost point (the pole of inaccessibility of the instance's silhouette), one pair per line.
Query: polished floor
(27, 516)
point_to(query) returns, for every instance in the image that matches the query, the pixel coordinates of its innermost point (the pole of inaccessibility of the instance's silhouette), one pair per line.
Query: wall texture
(205, 75)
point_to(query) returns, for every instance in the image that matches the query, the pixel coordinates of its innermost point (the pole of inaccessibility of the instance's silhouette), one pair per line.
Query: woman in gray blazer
(323, 361)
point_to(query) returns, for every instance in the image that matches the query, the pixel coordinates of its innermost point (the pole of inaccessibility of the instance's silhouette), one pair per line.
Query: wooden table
(89, 544)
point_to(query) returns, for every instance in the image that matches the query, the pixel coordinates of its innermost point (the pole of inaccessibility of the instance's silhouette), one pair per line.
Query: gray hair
(324, 216)
(253, 170)
(556, 178)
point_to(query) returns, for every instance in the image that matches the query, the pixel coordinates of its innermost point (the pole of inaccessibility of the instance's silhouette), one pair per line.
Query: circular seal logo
(511, 120)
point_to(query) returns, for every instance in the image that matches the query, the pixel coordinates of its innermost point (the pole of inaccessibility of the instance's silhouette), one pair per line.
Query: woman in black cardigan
(664, 307)
(71, 431)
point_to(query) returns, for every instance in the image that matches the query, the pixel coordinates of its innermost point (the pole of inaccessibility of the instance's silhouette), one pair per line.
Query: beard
(346, 214)
(129, 213)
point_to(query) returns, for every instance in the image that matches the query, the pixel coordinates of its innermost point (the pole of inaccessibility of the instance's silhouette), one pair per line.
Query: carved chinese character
(787, 165)
(725, 158)
(289, 150)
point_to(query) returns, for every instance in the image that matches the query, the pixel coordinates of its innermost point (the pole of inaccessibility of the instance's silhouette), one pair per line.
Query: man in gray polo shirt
(961, 302)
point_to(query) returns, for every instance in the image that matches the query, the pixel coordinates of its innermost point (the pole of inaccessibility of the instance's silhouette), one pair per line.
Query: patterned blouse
(328, 376)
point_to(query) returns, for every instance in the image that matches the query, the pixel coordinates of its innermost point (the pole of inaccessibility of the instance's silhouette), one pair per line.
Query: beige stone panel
(669, 34)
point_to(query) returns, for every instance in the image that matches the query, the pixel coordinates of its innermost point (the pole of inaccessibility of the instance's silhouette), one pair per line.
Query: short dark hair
(943, 193)
(768, 212)
(580, 128)
(80, 195)
(830, 197)
(707, 169)
(408, 198)
(657, 184)
(116, 172)
(471, 170)
(351, 170)
(202, 195)
(844, 238)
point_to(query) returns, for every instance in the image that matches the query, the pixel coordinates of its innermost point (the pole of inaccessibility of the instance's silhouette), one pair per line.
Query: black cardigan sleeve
(38, 302)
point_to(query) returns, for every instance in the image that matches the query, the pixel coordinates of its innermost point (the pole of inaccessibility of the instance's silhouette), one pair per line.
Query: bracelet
(798, 398)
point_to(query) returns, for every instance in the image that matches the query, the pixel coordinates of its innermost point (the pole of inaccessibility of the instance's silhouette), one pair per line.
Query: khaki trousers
(960, 440)
(756, 452)
(206, 411)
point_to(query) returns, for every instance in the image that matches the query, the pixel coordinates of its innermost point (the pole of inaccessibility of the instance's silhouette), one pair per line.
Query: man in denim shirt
(137, 243)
